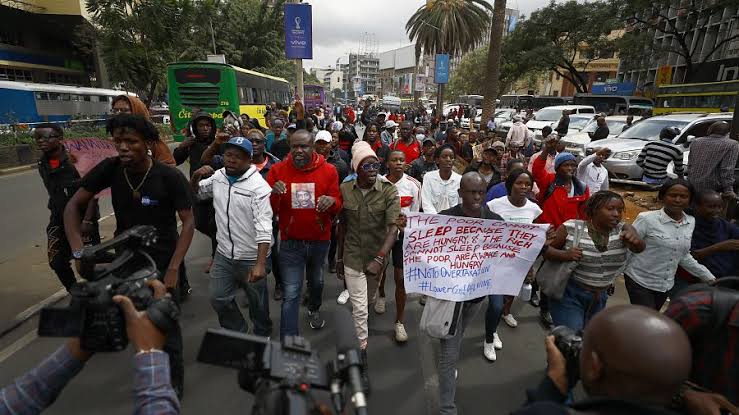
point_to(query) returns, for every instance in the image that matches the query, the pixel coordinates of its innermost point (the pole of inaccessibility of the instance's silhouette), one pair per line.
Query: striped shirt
(597, 269)
(712, 161)
(657, 155)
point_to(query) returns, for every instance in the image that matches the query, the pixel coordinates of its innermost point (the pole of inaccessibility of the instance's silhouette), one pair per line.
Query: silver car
(626, 146)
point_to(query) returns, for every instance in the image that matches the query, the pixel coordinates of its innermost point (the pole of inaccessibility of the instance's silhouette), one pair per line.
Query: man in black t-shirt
(144, 192)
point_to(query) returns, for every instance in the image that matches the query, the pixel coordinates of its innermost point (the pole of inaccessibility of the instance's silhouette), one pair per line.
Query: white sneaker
(496, 341)
(380, 305)
(456, 374)
(343, 297)
(488, 349)
(400, 334)
(510, 320)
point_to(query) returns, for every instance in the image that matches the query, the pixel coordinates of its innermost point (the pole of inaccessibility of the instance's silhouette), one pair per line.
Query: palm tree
(448, 26)
(492, 80)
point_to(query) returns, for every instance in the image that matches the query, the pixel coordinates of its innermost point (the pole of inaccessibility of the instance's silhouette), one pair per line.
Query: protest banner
(458, 258)
(86, 153)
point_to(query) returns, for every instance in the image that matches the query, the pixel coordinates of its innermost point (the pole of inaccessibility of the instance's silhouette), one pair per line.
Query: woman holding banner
(600, 255)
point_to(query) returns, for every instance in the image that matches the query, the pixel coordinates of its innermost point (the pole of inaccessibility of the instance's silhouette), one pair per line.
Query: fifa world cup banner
(458, 258)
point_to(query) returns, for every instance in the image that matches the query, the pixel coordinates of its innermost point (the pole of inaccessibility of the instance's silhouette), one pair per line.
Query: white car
(575, 143)
(465, 123)
(549, 116)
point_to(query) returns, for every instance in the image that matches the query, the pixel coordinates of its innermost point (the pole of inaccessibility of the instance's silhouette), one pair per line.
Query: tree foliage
(551, 37)
(683, 22)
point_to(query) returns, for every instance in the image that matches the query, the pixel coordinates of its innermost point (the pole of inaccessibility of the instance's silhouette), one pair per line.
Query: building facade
(360, 73)
(721, 65)
(37, 43)
(399, 76)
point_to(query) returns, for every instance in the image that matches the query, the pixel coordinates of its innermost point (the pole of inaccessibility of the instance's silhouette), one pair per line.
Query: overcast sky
(339, 26)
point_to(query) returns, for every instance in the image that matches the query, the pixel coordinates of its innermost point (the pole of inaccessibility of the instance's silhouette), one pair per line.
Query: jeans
(448, 357)
(226, 277)
(639, 295)
(492, 315)
(577, 305)
(300, 260)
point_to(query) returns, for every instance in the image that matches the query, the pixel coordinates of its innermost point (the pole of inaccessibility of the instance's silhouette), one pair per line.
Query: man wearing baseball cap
(244, 222)
(425, 163)
(388, 133)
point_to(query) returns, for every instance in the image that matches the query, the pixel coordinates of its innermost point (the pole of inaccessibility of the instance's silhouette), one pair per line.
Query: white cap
(323, 135)
(390, 124)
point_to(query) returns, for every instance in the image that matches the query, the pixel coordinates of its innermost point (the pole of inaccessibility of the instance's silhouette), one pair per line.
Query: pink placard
(86, 153)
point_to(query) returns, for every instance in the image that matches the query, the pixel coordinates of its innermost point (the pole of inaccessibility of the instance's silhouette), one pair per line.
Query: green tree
(492, 74)
(687, 24)
(552, 37)
(139, 37)
(448, 26)
(466, 77)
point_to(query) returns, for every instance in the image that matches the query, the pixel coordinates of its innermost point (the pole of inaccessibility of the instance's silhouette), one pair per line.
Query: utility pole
(299, 71)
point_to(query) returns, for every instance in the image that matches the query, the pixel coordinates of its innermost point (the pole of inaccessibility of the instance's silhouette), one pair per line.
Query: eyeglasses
(371, 166)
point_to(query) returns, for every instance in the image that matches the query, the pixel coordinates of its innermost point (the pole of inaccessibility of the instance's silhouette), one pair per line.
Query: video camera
(282, 374)
(92, 315)
(569, 343)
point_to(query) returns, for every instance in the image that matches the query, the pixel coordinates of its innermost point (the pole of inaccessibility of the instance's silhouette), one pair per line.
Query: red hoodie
(304, 187)
(557, 206)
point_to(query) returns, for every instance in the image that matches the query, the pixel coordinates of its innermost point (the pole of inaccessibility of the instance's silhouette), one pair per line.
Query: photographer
(618, 372)
(39, 388)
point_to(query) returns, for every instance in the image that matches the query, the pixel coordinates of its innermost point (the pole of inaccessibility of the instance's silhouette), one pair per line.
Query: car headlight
(627, 155)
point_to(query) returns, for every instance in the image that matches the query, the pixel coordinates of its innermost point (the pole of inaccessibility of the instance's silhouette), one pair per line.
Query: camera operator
(36, 390)
(634, 360)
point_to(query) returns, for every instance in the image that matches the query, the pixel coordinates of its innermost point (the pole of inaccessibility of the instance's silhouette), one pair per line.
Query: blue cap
(242, 143)
(561, 158)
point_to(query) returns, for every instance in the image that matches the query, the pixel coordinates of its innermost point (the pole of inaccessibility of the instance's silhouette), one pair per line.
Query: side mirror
(691, 138)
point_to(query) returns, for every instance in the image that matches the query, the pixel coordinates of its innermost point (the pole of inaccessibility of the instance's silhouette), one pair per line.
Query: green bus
(217, 87)
(703, 97)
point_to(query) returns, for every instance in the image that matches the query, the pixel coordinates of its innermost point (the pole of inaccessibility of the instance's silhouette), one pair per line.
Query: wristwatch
(77, 254)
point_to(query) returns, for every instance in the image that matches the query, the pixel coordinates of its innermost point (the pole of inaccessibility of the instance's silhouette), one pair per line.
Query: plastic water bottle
(525, 294)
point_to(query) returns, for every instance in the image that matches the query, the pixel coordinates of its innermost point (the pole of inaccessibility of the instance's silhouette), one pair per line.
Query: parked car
(626, 146)
(549, 116)
(465, 122)
(575, 143)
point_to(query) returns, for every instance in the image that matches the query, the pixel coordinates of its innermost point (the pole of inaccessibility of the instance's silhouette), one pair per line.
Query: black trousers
(60, 253)
(644, 296)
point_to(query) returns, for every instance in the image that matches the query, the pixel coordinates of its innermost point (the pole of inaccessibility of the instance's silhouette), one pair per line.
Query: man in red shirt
(306, 199)
(408, 143)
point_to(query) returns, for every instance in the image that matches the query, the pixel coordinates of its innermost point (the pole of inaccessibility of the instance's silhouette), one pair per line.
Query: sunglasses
(371, 166)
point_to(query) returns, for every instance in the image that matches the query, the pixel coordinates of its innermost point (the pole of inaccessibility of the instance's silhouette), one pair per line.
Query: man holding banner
(462, 255)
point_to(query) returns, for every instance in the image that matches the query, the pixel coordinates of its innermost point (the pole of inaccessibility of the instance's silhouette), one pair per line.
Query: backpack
(724, 295)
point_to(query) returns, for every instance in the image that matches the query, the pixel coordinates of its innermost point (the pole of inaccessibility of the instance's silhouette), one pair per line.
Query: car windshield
(548, 115)
(648, 130)
(579, 123)
(614, 127)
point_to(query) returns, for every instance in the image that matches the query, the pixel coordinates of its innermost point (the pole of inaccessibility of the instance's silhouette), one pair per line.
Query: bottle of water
(525, 294)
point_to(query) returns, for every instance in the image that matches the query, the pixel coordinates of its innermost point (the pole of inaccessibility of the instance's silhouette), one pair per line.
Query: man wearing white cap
(388, 134)
(367, 232)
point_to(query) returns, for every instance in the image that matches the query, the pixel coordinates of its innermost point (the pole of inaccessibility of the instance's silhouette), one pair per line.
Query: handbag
(554, 275)
(440, 318)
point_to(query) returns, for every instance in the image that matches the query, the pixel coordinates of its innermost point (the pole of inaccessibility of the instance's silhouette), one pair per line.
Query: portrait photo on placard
(303, 195)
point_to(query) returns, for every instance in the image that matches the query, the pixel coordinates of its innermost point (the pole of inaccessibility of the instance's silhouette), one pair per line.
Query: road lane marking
(18, 345)
(30, 311)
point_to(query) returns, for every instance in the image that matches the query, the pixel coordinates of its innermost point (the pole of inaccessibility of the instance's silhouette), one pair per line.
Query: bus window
(253, 98)
(66, 97)
(41, 96)
(86, 98)
(54, 96)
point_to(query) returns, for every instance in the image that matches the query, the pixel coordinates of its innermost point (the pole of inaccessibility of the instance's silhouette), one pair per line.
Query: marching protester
(407, 143)
(592, 172)
(61, 180)
(518, 134)
(127, 104)
(367, 232)
(409, 192)
(667, 232)
(601, 131)
(372, 137)
(426, 162)
(487, 167)
(471, 195)
(712, 160)
(658, 154)
(599, 247)
(275, 133)
(388, 132)
(143, 192)
(440, 187)
(305, 198)
(240, 197)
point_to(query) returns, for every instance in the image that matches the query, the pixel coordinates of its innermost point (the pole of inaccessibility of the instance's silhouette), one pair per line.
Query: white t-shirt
(438, 194)
(409, 191)
(525, 214)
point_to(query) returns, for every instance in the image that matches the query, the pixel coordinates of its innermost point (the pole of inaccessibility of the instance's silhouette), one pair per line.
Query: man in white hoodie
(244, 222)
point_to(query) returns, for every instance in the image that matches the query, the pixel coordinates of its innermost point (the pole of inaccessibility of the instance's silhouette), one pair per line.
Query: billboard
(441, 69)
(619, 88)
(298, 31)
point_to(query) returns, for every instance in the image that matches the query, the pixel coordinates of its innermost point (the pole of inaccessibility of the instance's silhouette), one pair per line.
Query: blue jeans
(577, 305)
(226, 277)
(300, 260)
(492, 315)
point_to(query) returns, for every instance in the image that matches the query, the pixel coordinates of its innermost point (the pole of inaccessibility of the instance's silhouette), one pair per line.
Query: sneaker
(534, 301)
(497, 343)
(380, 305)
(316, 322)
(400, 334)
(488, 349)
(422, 300)
(510, 320)
(278, 293)
(343, 297)
(546, 319)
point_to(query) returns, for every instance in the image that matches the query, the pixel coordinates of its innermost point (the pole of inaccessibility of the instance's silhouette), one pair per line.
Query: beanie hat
(360, 151)
(561, 158)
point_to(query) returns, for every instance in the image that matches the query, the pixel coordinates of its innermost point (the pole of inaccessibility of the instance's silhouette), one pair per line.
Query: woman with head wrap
(132, 105)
